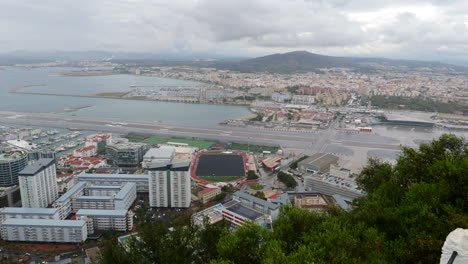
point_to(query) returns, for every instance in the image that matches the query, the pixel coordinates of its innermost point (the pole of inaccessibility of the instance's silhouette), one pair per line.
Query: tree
(251, 175)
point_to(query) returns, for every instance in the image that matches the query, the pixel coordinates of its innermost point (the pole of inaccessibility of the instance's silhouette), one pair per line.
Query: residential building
(11, 164)
(29, 213)
(38, 184)
(169, 184)
(86, 151)
(64, 202)
(125, 154)
(122, 200)
(141, 180)
(157, 155)
(208, 194)
(120, 220)
(44, 230)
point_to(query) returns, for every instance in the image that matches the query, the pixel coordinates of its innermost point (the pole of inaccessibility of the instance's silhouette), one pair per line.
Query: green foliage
(219, 197)
(293, 165)
(251, 175)
(256, 186)
(287, 179)
(409, 210)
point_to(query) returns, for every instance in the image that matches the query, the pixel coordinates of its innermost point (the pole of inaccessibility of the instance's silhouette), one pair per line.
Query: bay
(48, 80)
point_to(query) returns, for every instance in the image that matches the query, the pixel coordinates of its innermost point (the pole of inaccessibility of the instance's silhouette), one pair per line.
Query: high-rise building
(11, 164)
(38, 184)
(169, 184)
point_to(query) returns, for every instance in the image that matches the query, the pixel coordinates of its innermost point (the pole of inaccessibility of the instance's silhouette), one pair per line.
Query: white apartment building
(123, 200)
(120, 220)
(64, 203)
(141, 180)
(44, 230)
(170, 185)
(38, 184)
(29, 213)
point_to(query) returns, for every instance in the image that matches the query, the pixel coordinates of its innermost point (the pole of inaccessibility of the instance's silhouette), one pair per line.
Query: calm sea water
(175, 113)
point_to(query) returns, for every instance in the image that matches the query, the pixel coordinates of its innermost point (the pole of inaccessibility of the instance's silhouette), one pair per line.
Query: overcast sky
(436, 29)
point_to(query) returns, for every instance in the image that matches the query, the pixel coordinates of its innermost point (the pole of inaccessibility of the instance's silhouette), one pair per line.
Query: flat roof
(43, 222)
(36, 167)
(76, 188)
(125, 190)
(87, 176)
(320, 160)
(32, 211)
(159, 153)
(95, 198)
(12, 156)
(256, 200)
(104, 187)
(244, 211)
(93, 212)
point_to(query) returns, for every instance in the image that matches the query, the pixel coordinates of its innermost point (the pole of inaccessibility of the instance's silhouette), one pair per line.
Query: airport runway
(308, 141)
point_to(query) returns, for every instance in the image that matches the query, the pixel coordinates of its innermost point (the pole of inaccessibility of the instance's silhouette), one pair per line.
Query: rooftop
(12, 156)
(320, 159)
(246, 212)
(76, 188)
(31, 211)
(159, 153)
(125, 190)
(256, 200)
(36, 167)
(208, 190)
(85, 176)
(43, 222)
(93, 198)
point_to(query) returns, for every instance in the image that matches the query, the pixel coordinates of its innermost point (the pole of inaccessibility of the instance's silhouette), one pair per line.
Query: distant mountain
(303, 61)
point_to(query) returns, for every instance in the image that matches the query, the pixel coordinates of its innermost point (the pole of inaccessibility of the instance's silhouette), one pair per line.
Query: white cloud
(398, 28)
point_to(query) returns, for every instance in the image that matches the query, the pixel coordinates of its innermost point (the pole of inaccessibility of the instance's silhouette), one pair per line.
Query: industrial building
(38, 184)
(120, 220)
(319, 162)
(170, 184)
(122, 153)
(44, 230)
(11, 164)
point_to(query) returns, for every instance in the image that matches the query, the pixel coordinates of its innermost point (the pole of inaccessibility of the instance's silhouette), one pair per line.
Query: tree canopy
(409, 209)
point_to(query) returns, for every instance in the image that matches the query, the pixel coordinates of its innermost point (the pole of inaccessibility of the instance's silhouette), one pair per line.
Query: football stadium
(220, 166)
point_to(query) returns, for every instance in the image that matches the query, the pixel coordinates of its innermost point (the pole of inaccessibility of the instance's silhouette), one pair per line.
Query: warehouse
(319, 162)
